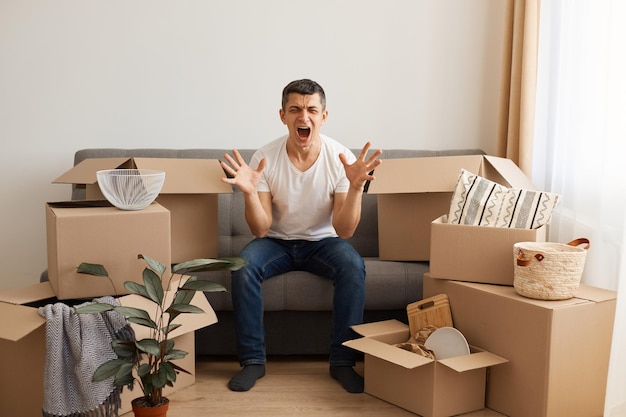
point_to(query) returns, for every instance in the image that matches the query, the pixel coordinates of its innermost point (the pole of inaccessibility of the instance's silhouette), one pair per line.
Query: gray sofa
(298, 304)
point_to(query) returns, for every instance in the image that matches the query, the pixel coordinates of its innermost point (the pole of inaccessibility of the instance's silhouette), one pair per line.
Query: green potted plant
(150, 361)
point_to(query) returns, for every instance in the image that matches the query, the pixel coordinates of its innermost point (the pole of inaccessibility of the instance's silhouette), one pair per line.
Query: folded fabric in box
(478, 201)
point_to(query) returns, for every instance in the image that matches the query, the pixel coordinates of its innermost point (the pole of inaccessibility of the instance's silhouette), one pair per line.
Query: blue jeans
(332, 258)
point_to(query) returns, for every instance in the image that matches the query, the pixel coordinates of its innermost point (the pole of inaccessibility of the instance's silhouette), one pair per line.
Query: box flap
(188, 176)
(27, 294)
(587, 292)
(505, 172)
(473, 361)
(182, 176)
(420, 175)
(23, 320)
(385, 327)
(190, 322)
(387, 352)
(440, 174)
(85, 171)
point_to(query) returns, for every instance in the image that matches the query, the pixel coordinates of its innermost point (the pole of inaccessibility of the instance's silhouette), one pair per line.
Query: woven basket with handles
(548, 270)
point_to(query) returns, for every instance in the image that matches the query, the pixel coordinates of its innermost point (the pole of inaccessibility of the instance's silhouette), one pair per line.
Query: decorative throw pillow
(480, 202)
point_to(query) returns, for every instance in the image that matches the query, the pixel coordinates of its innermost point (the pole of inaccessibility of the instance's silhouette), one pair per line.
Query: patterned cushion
(478, 201)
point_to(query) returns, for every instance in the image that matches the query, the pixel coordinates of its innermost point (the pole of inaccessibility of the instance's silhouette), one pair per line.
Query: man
(301, 201)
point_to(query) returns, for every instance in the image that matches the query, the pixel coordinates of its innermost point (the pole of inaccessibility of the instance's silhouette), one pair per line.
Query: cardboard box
(190, 193)
(85, 232)
(23, 347)
(558, 351)
(421, 385)
(412, 192)
(476, 253)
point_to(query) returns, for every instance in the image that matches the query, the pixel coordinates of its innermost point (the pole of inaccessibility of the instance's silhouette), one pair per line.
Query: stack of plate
(447, 342)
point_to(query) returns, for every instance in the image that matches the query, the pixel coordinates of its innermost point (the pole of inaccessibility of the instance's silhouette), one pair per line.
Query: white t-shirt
(302, 202)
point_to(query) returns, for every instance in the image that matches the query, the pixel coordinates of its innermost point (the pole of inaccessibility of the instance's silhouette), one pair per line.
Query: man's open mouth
(304, 132)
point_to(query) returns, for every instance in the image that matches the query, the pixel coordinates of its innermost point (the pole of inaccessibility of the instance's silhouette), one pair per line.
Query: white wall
(185, 74)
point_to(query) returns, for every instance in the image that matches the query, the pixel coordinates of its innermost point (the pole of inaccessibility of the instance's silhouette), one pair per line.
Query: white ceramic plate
(447, 342)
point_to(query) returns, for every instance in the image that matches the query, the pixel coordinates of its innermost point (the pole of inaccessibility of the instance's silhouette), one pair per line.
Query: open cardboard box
(430, 388)
(476, 253)
(412, 192)
(23, 346)
(87, 231)
(558, 351)
(190, 193)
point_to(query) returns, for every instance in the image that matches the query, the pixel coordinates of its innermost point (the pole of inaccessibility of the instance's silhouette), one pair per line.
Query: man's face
(304, 116)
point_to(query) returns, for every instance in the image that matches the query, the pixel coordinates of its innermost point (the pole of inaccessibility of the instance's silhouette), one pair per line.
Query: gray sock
(348, 378)
(246, 378)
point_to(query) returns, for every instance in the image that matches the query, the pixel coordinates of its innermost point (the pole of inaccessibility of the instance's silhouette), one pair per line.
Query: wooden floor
(291, 387)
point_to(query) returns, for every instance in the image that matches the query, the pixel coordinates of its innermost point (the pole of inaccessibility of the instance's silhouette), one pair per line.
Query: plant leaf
(197, 265)
(236, 263)
(176, 309)
(129, 312)
(143, 322)
(153, 264)
(138, 316)
(169, 371)
(137, 288)
(150, 346)
(183, 296)
(92, 269)
(124, 348)
(143, 370)
(124, 375)
(154, 286)
(169, 345)
(202, 285)
(158, 379)
(179, 369)
(175, 354)
(108, 369)
(171, 327)
(200, 265)
(123, 379)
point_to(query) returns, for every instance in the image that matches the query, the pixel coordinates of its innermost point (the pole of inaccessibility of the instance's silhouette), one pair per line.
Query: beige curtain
(517, 104)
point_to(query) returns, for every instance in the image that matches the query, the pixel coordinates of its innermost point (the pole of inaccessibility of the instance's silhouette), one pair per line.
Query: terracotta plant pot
(142, 411)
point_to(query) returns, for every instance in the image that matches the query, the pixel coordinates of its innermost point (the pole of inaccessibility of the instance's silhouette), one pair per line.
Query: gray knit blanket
(76, 345)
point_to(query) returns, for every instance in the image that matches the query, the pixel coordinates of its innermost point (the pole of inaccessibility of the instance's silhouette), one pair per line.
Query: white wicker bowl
(130, 189)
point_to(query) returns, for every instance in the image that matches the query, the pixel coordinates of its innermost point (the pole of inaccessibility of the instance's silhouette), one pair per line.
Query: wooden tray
(432, 311)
